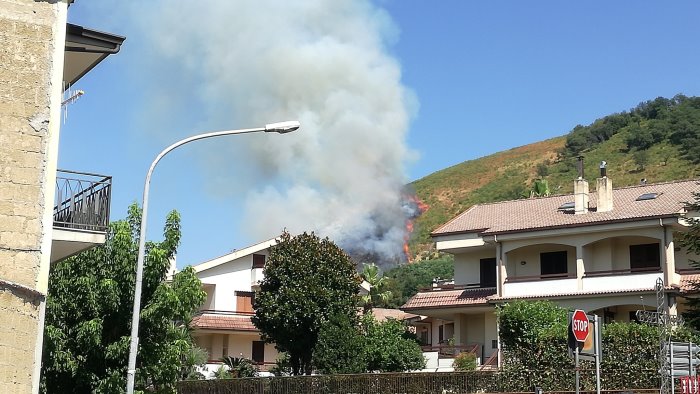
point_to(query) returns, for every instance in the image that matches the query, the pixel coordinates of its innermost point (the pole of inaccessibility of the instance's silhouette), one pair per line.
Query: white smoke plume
(323, 62)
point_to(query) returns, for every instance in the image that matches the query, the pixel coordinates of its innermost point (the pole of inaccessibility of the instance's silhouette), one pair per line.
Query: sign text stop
(579, 325)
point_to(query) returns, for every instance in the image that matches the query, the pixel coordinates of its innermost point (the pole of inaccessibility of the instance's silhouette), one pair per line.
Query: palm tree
(370, 273)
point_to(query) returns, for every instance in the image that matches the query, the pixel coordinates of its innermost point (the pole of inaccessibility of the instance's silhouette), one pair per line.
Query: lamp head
(282, 127)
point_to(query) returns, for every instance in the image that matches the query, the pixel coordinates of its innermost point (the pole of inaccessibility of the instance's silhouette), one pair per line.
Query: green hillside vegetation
(658, 140)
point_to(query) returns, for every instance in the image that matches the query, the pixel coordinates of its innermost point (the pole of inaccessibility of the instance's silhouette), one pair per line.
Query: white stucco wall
(531, 256)
(468, 266)
(227, 278)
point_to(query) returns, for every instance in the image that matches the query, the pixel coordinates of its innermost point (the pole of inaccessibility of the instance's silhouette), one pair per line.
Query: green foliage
(404, 281)
(341, 346)
(307, 280)
(690, 240)
(377, 291)
(222, 373)
(641, 158)
(240, 367)
(465, 362)
(534, 339)
(282, 367)
(88, 315)
(390, 347)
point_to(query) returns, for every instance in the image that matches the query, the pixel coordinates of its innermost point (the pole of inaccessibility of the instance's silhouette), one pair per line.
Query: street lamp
(281, 127)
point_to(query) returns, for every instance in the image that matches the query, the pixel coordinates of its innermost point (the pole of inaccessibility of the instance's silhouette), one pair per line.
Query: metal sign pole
(673, 388)
(577, 371)
(596, 343)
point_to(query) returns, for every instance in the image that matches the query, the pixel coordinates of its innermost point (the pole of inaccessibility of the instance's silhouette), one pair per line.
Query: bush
(465, 362)
(340, 347)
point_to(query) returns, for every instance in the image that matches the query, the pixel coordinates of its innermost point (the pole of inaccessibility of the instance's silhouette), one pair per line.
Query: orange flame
(422, 207)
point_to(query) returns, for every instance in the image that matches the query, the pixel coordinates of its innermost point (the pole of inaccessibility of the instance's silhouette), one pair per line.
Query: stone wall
(27, 53)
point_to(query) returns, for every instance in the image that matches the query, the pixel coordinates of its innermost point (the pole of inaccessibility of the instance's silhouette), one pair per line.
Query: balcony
(80, 213)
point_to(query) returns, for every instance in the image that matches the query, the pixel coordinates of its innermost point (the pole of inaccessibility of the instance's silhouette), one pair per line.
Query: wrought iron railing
(82, 201)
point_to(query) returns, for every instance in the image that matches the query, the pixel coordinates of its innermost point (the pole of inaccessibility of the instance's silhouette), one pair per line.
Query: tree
(690, 240)
(404, 281)
(377, 292)
(88, 315)
(641, 158)
(390, 347)
(307, 280)
(341, 346)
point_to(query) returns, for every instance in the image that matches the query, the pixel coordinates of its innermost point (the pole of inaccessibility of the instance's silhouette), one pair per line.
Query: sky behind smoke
(325, 63)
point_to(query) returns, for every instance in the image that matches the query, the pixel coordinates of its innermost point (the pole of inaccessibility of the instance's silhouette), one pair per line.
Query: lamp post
(282, 128)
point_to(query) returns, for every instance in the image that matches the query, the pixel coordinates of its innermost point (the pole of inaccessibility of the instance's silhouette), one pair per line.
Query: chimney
(604, 189)
(580, 191)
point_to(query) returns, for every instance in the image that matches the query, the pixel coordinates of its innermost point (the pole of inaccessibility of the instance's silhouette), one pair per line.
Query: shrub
(465, 362)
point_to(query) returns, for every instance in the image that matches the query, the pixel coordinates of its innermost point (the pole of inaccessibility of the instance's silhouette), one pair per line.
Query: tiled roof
(381, 314)
(542, 213)
(687, 282)
(215, 321)
(449, 298)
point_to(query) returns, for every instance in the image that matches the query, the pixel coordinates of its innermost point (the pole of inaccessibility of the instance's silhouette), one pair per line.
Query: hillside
(658, 140)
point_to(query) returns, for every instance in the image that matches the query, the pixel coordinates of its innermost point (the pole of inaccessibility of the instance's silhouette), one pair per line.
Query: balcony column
(668, 259)
(457, 335)
(580, 268)
(501, 274)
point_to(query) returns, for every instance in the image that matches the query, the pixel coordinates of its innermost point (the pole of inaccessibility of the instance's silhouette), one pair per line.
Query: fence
(389, 383)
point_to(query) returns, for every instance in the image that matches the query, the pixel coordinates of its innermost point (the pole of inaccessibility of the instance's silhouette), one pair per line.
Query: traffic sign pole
(596, 338)
(577, 372)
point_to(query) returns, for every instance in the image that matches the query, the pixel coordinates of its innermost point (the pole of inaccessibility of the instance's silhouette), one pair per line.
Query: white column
(501, 274)
(668, 258)
(580, 267)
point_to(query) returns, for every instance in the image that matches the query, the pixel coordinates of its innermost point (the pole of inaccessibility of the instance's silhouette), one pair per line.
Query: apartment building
(599, 251)
(45, 215)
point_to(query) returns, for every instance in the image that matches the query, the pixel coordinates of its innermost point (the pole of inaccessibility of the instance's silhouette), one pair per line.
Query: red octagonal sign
(580, 325)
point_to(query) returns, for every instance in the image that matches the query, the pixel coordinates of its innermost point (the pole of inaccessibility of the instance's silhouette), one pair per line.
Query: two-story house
(601, 252)
(223, 326)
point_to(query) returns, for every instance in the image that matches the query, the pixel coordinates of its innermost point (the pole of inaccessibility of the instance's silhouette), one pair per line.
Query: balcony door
(646, 257)
(258, 352)
(487, 275)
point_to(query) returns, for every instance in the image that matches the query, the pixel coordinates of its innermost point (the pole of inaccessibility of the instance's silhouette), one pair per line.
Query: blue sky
(479, 77)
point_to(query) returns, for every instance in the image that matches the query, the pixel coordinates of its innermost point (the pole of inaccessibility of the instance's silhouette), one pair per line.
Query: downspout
(499, 292)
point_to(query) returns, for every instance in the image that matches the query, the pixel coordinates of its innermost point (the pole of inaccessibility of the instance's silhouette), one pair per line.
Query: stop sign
(579, 325)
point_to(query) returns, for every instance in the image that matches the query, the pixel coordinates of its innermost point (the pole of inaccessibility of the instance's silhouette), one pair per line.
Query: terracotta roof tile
(220, 321)
(542, 213)
(382, 314)
(449, 298)
(687, 282)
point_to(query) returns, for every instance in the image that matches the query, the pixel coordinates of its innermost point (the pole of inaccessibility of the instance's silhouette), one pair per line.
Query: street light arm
(281, 127)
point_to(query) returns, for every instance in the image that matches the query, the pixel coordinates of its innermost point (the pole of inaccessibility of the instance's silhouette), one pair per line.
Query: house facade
(223, 325)
(45, 215)
(600, 251)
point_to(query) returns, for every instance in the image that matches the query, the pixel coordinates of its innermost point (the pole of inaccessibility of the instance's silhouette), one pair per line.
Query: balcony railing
(450, 351)
(82, 201)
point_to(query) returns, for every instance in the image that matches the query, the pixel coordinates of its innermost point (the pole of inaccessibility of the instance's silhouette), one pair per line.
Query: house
(45, 215)
(600, 251)
(223, 325)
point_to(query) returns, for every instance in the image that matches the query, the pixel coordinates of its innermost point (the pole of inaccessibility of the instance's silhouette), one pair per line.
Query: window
(553, 263)
(488, 272)
(258, 352)
(645, 257)
(244, 301)
(258, 261)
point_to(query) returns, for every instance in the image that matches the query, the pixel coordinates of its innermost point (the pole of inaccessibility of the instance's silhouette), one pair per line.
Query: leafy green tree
(641, 158)
(377, 291)
(390, 347)
(341, 346)
(690, 240)
(404, 281)
(307, 280)
(88, 315)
